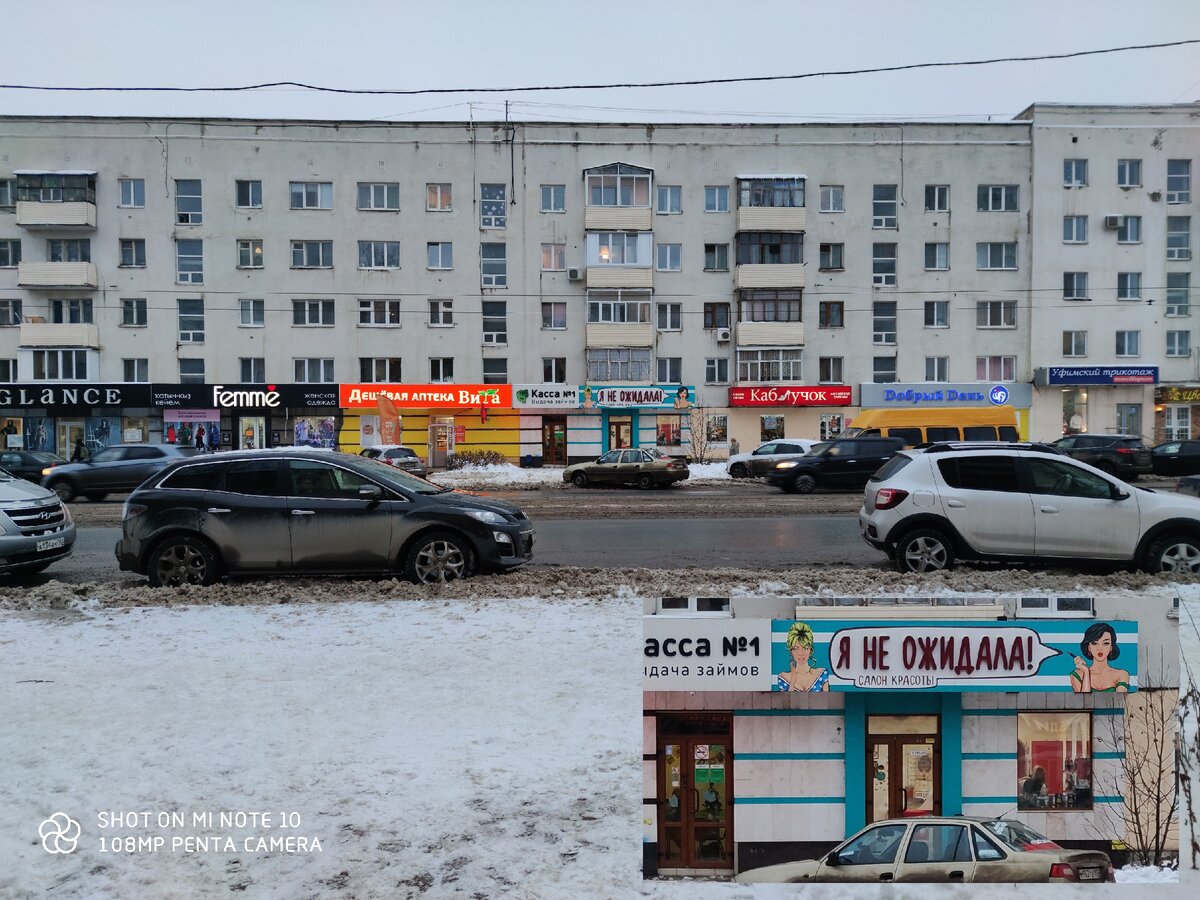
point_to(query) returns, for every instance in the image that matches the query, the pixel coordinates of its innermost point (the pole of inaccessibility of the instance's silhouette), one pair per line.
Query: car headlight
(786, 465)
(487, 516)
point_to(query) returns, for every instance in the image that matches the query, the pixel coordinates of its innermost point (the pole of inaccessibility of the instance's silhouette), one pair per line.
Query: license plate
(51, 544)
(1089, 874)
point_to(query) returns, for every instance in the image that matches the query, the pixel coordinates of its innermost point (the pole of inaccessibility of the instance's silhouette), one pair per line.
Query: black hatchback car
(1123, 455)
(311, 512)
(1176, 458)
(844, 463)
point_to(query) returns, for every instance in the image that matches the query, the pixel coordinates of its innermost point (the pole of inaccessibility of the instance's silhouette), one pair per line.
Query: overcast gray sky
(472, 43)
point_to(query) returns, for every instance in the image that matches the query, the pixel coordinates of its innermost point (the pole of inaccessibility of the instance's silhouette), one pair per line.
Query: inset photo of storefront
(1103, 399)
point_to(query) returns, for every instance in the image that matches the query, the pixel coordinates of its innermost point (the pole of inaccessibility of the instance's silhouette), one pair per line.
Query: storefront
(248, 416)
(772, 413)
(58, 417)
(772, 739)
(1098, 399)
(1176, 413)
(544, 411)
(612, 417)
(941, 395)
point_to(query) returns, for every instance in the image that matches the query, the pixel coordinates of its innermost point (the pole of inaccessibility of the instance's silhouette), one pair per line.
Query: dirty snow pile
(510, 477)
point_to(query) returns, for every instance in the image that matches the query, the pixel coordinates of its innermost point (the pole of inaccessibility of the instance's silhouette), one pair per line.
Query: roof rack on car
(948, 446)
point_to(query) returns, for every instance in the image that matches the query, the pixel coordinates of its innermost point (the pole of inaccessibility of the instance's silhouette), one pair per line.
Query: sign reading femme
(791, 395)
(425, 396)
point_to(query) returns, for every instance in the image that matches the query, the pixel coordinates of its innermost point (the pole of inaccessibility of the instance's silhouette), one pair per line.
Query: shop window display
(1054, 760)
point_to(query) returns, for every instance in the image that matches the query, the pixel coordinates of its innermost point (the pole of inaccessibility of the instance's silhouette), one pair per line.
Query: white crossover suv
(1021, 502)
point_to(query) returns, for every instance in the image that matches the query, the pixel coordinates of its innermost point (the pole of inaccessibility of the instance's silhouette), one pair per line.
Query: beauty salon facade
(757, 752)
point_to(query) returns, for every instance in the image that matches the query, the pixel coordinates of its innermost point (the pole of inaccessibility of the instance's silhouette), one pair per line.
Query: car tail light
(130, 510)
(889, 498)
(1126, 451)
(1062, 870)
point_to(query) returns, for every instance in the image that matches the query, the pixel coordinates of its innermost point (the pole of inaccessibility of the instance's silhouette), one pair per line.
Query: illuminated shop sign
(1096, 375)
(945, 395)
(791, 395)
(681, 397)
(73, 396)
(425, 396)
(546, 396)
(243, 396)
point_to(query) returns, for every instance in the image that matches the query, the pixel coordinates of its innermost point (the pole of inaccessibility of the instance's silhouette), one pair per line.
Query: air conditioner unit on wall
(723, 335)
(575, 274)
(1114, 221)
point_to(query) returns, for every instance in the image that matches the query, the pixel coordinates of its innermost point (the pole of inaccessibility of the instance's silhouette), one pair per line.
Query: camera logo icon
(59, 833)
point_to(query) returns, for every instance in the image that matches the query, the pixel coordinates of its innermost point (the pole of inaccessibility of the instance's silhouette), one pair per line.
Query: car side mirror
(1117, 494)
(832, 859)
(370, 492)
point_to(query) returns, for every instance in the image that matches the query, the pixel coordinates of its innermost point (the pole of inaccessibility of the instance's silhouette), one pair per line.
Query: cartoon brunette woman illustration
(1099, 645)
(683, 399)
(802, 675)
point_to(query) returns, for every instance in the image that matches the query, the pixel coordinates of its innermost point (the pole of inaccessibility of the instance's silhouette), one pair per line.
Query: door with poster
(903, 767)
(251, 433)
(69, 431)
(695, 791)
(441, 443)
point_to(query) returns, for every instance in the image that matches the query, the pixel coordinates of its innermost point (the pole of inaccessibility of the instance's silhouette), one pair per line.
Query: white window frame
(10, 312)
(191, 371)
(190, 321)
(554, 369)
(615, 308)
(493, 269)
(136, 248)
(627, 188)
(252, 312)
(668, 366)
(189, 267)
(253, 193)
(941, 256)
(135, 370)
(310, 195)
(885, 210)
(493, 205)
(669, 258)
(303, 370)
(1179, 237)
(937, 198)
(321, 251)
(439, 196)
(831, 369)
(381, 369)
(377, 255)
(379, 196)
(716, 370)
(1179, 343)
(1130, 230)
(1074, 345)
(554, 257)
(495, 370)
(996, 256)
(252, 369)
(1179, 294)
(833, 198)
(189, 208)
(669, 316)
(1075, 229)
(441, 370)
(619, 249)
(554, 198)
(441, 313)
(618, 363)
(1129, 173)
(1075, 286)
(250, 253)
(439, 255)
(672, 194)
(937, 368)
(716, 198)
(379, 313)
(132, 193)
(996, 368)
(998, 198)
(318, 313)
(884, 318)
(831, 256)
(72, 311)
(1179, 183)
(59, 365)
(937, 313)
(996, 314)
(133, 312)
(1129, 285)
(717, 251)
(12, 253)
(1128, 343)
(766, 365)
(883, 268)
(554, 308)
(884, 370)
(495, 321)
(1075, 172)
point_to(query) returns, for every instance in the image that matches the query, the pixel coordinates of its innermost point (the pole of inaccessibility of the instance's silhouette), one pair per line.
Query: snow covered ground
(510, 477)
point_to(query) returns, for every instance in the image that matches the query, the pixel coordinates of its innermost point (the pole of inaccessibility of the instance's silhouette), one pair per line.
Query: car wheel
(96, 497)
(924, 550)
(1106, 467)
(645, 482)
(806, 484)
(64, 489)
(738, 470)
(580, 479)
(439, 557)
(183, 559)
(1174, 553)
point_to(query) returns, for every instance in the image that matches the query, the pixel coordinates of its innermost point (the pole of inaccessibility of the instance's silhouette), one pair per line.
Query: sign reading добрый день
(1074, 655)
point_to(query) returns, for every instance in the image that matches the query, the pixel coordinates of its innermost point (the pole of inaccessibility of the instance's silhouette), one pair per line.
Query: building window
(833, 198)
(8, 370)
(554, 369)
(251, 313)
(670, 316)
(716, 429)
(716, 198)
(493, 207)
(770, 428)
(379, 195)
(379, 369)
(248, 194)
(670, 200)
(770, 248)
(495, 371)
(1129, 343)
(1075, 229)
(493, 266)
(787, 193)
(312, 254)
(495, 321)
(312, 370)
(996, 314)
(313, 312)
(830, 369)
(311, 194)
(55, 188)
(831, 314)
(250, 254)
(670, 258)
(1074, 343)
(191, 321)
(716, 257)
(10, 312)
(379, 313)
(554, 257)
(716, 315)
(618, 185)
(438, 198)
(441, 313)
(554, 198)
(554, 315)
(69, 250)
(937, 256)
(252, 369)
(1075, 285)
(135, 370)
(783, 364)
(10, 253)
(1130, 230)
(937, 313)
(668, 430)
(618, 364)
(133, 253)
(191, 371)
(1129, 285)
(378, 254)
(189, 262)
(995, 368)
(441, 370)
(995, 256)
(1075, 172)
(997, 197)
(71, 312)
(1055, 760)
(618, 307)
(670, 370)
(133, 193)
(832, 257)
(618, 248)
(884, 321)
(716, 370)
(770, 306)
(8, 192)
(60, 365)
(1129, 173)
(937, 198)
(1179, 286)
(133, 312)
(189, 204)
(1179, 237)
(937, 368)
(1179, 181)
(883, 370)
(1178, 343)
(439, 255)
(883, 206)
(883, 265)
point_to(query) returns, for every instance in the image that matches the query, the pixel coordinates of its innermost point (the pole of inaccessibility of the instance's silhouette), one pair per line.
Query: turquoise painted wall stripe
(1108, 711)
(952, 755)
(786, 756)
(1116, 799)
(787, 712)
(1108, 754)
(856, 762)
(989, 756)
(760, 801)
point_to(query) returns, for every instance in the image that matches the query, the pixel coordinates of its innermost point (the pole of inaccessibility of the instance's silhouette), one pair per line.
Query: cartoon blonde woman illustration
(1099, 645)
(802, 675)
(587, 397)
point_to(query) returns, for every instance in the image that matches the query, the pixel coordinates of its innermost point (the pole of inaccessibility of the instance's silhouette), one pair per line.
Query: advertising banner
(243, 396)
(1096, 375)
(73, 396)
(425, 396)
(792, 395)
(872, 396)
(546, 396)
(632, 396)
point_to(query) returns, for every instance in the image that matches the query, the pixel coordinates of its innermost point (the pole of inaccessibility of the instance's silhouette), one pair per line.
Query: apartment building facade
(552, 291)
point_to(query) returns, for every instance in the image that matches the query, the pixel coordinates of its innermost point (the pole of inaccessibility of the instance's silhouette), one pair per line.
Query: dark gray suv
(844, 463)
(112, 470)
(296, 511)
